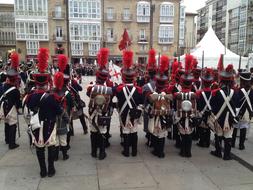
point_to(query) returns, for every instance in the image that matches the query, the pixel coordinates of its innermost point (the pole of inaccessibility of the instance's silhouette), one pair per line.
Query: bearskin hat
(102, 73)
(128, 73)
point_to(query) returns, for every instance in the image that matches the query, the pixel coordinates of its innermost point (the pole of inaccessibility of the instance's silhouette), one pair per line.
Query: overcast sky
(191, 5)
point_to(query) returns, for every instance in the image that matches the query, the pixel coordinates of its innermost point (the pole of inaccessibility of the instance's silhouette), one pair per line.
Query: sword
(18, 126)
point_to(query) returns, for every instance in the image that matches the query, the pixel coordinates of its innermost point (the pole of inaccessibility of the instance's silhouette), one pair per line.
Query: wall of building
(190, 32)
(7, 30)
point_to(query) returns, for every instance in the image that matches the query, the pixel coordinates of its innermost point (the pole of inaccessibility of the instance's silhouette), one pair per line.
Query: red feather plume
(98, 57)
(164, 64)
(42, 59)
(188, 63)
(127, 59)
(152, 59)
(104, 55)
(230, 68)
(62, 62)
(14, 60)
(58, 80)
(175, 66)
(194, 63)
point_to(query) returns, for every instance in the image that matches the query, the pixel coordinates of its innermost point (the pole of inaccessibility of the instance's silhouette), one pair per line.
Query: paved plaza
(19, 169)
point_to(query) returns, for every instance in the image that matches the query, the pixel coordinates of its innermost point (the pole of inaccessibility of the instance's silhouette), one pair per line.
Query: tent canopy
(212, 48)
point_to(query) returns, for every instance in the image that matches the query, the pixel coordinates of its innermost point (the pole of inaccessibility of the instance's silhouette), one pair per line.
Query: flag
(115, 73)
(125, 42)
(220, 64)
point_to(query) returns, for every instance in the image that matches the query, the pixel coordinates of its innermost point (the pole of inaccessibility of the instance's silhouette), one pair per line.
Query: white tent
(213, 48)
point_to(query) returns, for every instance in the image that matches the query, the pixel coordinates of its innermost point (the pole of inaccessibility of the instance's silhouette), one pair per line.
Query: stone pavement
(19, 169)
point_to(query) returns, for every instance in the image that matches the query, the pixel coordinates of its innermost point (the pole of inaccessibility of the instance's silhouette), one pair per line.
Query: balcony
(143, 40)
(143, 19)
(59, 39)
(165, 40)
(58, 15)
(127, 17)
(166, 19)
(110, 17)
(76, 52)
(111, 39)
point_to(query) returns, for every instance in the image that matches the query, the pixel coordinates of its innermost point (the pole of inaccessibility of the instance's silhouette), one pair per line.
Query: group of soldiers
(179, 101)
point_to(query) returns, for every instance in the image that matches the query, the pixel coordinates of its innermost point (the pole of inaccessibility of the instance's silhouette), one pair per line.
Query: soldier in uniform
(186, 108)
(64, 98)
(160, 115)
(244, 108)
(224, 113)
(204, 108)
(147, 89)
(173, 88)
(48, 109)
(129, 99)
(99, 106)
(10, 102)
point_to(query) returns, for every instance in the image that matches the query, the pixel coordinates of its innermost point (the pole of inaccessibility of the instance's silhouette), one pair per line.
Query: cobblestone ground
(19, 169)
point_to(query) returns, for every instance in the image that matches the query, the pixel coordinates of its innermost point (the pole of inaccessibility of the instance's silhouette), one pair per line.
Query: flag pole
(203, 59)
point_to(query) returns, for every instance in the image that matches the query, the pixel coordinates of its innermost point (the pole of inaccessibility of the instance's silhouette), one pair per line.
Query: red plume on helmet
(230, 68)
(43, 56)
(164, 64)
(194, 63)
(104, 55)
(188, 63)
(127, 59)
(98, 57)
(151, 60)
(175, 66)
(14, 60)
(62, 62)
(58, 80)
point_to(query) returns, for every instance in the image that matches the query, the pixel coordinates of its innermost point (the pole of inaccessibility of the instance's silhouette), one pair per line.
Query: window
(32, 47)
(31, 8)
(166, 34)
(143, 48)
(143, 11)
(110, 13)
(77, 48)
(31, 30)
(142, 35)
(242, 33)
(93, 49)
(58, 33)
(58, 13)
(85, 32)
(84, 9)
(166, 12)
(110, 36)
(126, 14)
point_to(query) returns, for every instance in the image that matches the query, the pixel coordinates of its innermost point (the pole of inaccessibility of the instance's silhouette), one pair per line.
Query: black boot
(201, 142)
(101, 142)
(195, 134)
(125, 152)
(57, 149)
(41, 158)
(177, 138)
(155, 145)
(93, 140)
(188, 146)
(207, 138)
(160, 147)
(217, 151)
(134, 142)
(82, 120)
(234, 137)
(227, 149)
(68, 140)
(182, 149)
(12, 137)
(242, 138)
(6, 132)
(51, 157)
(64, 153)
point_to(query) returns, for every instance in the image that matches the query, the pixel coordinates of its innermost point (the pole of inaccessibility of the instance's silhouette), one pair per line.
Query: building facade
(149, 25)
(231, 21)
(79, 28)
(190, 31)
(7, 30)
(40, 23)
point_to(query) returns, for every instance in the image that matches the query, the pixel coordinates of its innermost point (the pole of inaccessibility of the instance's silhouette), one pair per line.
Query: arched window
(143, 11)
(166, 12)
